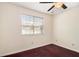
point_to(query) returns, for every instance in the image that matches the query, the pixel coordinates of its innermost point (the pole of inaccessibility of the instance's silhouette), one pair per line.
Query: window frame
(41, 27)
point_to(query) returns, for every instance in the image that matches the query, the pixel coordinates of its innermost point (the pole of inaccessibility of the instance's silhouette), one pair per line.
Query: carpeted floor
(46, 51)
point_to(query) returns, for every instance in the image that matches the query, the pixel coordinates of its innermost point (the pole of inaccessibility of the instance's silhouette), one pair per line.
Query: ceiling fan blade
(64, 6)
(46, 2)
(51, 8)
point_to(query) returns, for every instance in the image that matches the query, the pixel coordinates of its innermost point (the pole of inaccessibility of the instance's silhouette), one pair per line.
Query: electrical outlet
(56, 40)
(32, 42)
(73, 44)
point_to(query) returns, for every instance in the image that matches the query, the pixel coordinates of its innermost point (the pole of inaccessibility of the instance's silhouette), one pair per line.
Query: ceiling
(44, 7)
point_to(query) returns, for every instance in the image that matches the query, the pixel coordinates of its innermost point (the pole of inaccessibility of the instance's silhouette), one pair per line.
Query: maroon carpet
(46, 51)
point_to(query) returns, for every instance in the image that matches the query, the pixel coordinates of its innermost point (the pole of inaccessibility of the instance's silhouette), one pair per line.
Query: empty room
(39, 29)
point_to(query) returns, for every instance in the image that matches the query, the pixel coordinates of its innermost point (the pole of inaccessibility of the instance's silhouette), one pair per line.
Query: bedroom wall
(0, 26)
(11, 39)
(66, 29)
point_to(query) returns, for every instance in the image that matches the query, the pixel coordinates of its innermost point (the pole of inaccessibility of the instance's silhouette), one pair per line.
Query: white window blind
(31, 24)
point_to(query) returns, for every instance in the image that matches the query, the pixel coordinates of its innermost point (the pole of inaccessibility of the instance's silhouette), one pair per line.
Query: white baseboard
(36, 47)
(67, 48)
(13, 52)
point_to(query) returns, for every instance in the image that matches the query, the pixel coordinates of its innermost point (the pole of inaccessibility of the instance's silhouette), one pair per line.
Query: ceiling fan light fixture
(58, 4)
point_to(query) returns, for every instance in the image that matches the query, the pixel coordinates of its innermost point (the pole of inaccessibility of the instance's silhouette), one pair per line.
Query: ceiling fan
(55, 5)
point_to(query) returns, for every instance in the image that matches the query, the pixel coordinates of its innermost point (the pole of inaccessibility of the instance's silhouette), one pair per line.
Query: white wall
(11, 39)
(66, 29)
(1, 11)
(61, 29)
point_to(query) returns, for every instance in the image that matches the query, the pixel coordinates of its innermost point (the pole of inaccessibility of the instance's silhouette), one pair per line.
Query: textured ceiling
(44, 7)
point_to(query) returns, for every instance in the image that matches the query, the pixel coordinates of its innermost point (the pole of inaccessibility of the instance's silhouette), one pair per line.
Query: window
(31, 24)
